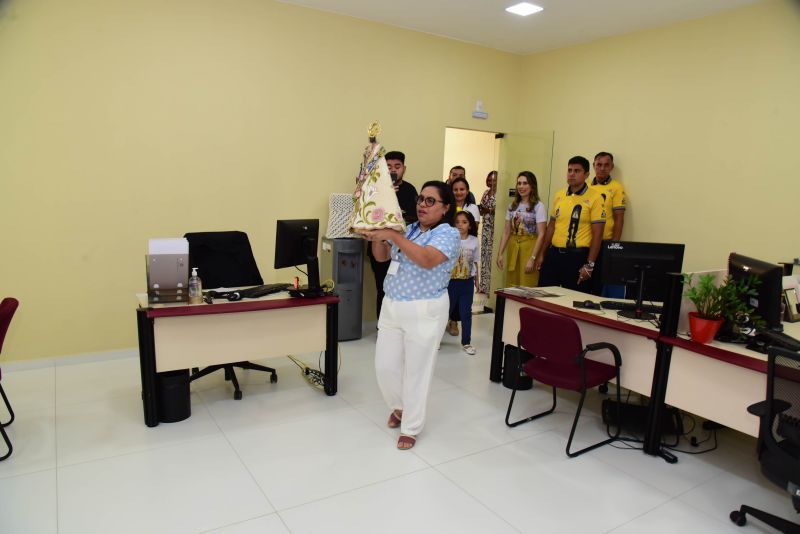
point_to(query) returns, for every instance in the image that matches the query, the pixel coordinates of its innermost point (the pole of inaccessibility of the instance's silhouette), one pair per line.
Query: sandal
(406, 442)
(394, 419)
(469, 349)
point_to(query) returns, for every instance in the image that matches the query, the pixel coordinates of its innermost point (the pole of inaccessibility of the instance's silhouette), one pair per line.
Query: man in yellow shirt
(614, 196)
(574, 232)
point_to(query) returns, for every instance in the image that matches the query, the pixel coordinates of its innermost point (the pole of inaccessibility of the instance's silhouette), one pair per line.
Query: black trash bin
(511, 362)
(173, 392)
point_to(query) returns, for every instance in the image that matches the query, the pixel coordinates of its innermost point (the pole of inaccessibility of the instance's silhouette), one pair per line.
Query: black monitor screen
(629, 263)
(767, 302)
(296, 244)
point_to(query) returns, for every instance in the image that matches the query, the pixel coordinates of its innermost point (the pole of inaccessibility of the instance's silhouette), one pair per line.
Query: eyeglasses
(428, 201)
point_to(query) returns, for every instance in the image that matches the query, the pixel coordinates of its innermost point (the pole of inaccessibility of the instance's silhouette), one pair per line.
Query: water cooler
(342, 261)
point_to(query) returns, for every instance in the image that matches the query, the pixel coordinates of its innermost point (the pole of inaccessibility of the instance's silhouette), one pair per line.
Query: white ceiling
(562, 23)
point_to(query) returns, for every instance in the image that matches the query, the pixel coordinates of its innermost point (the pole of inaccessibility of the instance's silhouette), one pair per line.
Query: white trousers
(409, 333)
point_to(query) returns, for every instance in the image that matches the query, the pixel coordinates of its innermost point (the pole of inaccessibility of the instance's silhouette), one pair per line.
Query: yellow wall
(702, 118)
(121, 121)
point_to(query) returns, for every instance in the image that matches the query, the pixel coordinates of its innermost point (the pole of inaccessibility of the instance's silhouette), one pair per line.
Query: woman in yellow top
(525, 222)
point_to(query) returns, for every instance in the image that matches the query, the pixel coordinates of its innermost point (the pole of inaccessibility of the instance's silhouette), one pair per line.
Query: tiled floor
(288, 459)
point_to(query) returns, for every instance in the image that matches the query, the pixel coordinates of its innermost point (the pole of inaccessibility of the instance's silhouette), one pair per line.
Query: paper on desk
(529, 292)
(168, 245)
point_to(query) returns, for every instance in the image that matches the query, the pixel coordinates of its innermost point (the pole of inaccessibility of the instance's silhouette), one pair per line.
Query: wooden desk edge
(580, 315)
(235, 307)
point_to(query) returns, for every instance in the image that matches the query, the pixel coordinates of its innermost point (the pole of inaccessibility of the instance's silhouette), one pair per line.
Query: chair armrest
(760, 408)
(600, 346)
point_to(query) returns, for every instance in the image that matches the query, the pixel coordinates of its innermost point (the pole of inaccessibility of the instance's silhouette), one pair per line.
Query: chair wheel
(603, 388)
(739, 518)
(273, 378)
(237, 395)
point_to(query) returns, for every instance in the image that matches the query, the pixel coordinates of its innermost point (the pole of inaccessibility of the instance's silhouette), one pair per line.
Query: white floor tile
(728, 491)
(30, 390)
(420, 502)
(191, 487)
(267, 404)
(86, 382)
(113, 426)
(537, 491)
(319, 456)
(676, 516)
(29, 503)
(33, 436)
(270, 524)
(85, 462)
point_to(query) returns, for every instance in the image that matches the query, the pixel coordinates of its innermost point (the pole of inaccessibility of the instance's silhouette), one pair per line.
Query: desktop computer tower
(342, 261)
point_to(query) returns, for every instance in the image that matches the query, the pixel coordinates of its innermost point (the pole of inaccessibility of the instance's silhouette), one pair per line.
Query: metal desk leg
(331, 348)
(496, 366)
(658, 394)
(147, 364)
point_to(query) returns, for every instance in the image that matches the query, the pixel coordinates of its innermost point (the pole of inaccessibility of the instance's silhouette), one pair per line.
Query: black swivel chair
(225, 259)
(778, 436)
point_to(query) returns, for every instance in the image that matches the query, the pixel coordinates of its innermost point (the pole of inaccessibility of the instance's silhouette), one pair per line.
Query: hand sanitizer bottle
(195, 288)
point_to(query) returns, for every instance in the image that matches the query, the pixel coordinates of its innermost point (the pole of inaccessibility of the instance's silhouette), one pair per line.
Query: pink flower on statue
(378, 214)
(357, 194)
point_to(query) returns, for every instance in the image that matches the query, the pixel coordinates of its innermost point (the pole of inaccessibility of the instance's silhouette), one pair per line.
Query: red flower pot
(703, 330)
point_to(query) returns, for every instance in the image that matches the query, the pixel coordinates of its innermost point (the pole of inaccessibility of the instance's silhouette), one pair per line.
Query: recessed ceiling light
(523, 9)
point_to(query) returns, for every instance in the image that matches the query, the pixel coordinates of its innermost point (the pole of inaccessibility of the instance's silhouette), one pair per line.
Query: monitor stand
(313, 289)
(637, 312)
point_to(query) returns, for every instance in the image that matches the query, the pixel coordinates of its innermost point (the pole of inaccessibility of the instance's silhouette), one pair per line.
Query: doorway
(480, 152)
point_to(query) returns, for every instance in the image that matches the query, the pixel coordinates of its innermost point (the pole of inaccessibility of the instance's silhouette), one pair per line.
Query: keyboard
(779, 339)
(249, 293)
(620, 305)
(260, 291)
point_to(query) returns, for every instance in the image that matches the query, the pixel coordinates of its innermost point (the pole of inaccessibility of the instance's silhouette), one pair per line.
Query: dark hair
(446, 195)
(533, 196)
(396, 154)
(604, 154)
(459, 179)
(458, 167)
(579, 160)
(473, 226)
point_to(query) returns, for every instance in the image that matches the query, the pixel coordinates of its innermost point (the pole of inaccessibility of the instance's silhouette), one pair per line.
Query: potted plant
(716, 303)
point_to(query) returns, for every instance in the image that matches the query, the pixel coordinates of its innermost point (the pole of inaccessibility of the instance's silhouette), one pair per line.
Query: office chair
(225, 259)
(7, 308)
(558, 359)
(778, 436)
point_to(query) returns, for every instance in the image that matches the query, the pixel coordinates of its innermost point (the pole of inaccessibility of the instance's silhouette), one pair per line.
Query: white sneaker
(469, 349)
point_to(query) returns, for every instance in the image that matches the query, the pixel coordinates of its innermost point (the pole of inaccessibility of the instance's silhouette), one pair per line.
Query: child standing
(464, 279)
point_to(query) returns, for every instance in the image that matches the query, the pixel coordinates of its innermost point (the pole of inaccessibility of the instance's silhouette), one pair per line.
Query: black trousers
(379, 268)
(561, 266)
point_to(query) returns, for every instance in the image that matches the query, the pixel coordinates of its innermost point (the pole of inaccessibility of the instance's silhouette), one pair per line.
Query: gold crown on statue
(374, 129)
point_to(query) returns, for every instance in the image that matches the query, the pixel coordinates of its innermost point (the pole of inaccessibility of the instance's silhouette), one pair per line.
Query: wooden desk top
(734, 353)
(562, 305)
(268, 302)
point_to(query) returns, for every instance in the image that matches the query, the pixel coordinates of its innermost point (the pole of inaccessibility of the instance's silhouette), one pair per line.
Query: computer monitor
(296, 244)
(767, 302)
(641, 267)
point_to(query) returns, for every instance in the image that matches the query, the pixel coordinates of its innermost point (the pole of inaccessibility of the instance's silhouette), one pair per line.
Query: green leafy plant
(728, 300)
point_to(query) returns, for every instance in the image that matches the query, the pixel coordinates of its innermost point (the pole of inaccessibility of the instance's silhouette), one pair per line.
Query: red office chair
(558, 359)
(7, 309)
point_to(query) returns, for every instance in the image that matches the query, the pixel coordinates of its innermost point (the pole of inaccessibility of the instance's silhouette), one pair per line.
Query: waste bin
(173, 392)
(511, 362)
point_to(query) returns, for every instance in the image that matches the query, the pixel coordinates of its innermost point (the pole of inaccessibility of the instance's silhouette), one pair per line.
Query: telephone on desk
(765, 338)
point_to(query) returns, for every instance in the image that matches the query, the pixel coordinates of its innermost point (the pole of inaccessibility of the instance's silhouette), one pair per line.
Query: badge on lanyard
(393, 267)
